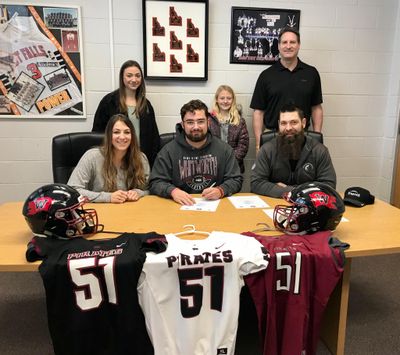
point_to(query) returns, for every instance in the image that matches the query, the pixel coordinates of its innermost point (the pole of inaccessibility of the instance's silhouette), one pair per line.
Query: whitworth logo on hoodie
(197, 172)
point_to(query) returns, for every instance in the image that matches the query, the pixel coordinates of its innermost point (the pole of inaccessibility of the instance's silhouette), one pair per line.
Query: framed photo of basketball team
(255, 31)
(175, 39)
(41, 62)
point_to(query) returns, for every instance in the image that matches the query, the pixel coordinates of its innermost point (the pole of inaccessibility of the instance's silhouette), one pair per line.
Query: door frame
(395, 196)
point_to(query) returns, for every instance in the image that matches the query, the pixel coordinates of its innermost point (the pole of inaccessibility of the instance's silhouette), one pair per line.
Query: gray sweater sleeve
(87, 177)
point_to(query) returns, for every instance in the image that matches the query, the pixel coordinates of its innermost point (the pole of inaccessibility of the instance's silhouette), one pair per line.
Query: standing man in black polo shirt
(287, 81)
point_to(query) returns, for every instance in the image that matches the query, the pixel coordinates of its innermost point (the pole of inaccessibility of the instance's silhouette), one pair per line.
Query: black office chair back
(68, 148)
(165, 138)
(267, 136)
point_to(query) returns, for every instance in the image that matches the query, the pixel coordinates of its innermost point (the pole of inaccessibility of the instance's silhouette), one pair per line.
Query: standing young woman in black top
(130, 99)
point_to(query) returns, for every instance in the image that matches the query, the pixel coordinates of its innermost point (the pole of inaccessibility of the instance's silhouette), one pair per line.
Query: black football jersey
(91, 296)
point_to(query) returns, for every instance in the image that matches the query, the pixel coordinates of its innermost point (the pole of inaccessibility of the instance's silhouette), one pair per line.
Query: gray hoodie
(178, 164)
(270, 167)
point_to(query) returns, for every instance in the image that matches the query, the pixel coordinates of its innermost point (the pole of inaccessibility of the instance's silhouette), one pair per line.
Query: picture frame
(254, 33)
(175, 39)
(41, 62)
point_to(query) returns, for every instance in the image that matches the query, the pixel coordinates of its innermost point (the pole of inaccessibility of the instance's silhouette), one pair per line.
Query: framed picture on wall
(254, 33)
(175, 39)
(41, 62)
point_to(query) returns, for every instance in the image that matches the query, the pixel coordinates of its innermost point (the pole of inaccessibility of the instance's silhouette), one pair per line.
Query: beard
(291, 146)
(197, 136)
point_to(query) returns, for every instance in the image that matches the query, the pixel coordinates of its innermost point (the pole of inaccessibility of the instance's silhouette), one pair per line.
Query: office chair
(165, 138)
(68, 148)
(267, 136)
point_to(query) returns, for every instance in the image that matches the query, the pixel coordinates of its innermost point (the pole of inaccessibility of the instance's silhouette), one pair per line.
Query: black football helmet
(55, 210)
(314, 207)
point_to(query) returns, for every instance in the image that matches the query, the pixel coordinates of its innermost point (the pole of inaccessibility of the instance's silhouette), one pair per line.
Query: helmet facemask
(288, 219)
(76, 221)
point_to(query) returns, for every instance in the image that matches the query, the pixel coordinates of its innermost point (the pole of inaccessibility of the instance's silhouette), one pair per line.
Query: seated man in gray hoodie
(195, 162)
(291, 158)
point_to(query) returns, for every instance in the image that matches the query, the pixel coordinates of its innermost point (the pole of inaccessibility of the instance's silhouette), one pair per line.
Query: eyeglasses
(191, 123)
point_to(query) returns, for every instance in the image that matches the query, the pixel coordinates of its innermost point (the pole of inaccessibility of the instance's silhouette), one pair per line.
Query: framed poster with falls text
(175, 39)
(255, 31)
(41, 62)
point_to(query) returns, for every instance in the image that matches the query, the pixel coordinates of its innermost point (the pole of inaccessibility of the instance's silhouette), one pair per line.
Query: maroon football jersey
(291, 294)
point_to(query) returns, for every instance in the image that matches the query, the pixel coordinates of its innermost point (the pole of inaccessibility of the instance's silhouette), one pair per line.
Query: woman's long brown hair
(131, 162)
(141, 104)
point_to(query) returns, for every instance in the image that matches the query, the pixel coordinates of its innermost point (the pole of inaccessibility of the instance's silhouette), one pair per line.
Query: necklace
(224, 118)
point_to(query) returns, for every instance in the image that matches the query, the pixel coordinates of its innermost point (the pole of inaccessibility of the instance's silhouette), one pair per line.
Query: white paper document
(202, 205)
(248, 202)
(269, 212)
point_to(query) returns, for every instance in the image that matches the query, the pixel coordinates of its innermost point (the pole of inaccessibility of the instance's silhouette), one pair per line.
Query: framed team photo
(41, 62)
(175, 39)
(255, 31)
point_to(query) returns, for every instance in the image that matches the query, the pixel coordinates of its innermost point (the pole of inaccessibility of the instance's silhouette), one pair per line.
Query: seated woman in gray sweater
(115, 172)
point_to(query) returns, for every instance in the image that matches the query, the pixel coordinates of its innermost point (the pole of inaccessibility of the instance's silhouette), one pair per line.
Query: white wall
(353, 43)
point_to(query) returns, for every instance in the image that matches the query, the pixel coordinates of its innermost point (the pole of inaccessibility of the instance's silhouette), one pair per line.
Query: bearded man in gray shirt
(291, 158)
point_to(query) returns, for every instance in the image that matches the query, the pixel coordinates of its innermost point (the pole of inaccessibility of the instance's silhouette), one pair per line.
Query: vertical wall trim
(111, 24)
(395, 193)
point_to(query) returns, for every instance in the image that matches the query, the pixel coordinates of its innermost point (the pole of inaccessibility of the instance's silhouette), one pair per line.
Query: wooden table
(371, 230)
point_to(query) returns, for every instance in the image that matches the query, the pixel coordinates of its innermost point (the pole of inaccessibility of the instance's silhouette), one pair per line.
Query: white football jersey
(190, 293)
(36, 77)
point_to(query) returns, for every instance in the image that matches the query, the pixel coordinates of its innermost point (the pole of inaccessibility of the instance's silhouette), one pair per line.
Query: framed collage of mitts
(175, 36)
